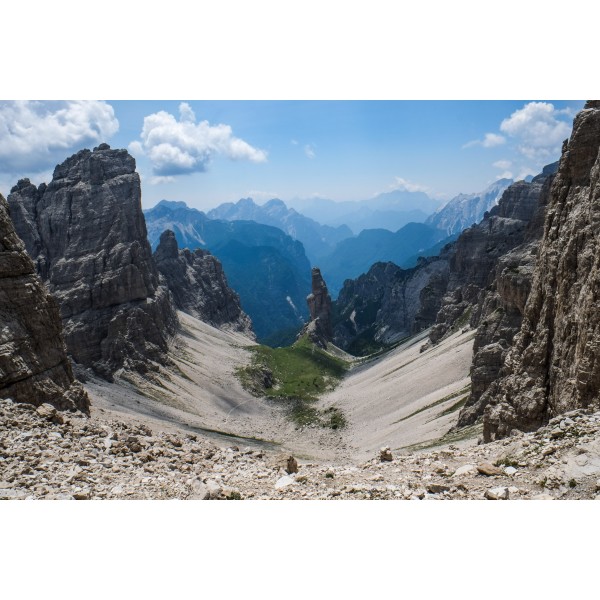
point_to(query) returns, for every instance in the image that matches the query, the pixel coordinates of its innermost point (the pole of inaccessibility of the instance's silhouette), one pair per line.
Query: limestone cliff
(86, 234)
(554, 365)
(199, 286)
(34, 367)
(502, 303)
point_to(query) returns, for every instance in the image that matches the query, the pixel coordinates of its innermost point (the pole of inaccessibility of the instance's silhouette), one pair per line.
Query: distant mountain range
(265, 266)
(318, 240)
(356, 255)
(265, 249)
(466, 209)
(389, 210)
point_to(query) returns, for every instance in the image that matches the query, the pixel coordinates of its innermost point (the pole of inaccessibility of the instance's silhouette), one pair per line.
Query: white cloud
(309, 151)
(502, 164)
(157, 180)
(294, 142)
(537, 130)
(490, 140)
(182, 146)
(35, 136)
(407, 186)
(505, 175)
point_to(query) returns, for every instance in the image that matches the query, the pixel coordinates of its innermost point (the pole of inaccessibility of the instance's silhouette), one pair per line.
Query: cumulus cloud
(35, 136)
(490, 140)
(309, 151)
(538, 129)
(407, 186)
(157, 180)
(177, 147)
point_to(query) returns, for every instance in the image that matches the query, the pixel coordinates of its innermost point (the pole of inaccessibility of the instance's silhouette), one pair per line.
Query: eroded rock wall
(199, 286)
(34, 367)
(554, 364)
(86, 234)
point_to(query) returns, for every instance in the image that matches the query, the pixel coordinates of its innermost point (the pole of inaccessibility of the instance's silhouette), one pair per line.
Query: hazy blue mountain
(318, 240)
(355, 256)
(390, 210)
(466, 209)
(265, 266)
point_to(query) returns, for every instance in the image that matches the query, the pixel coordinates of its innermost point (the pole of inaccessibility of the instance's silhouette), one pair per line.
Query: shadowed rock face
(554, 365)
(319, 329)
(86, 234)
(502, 303)
(388, 303)
(199, 286)
(34, 367)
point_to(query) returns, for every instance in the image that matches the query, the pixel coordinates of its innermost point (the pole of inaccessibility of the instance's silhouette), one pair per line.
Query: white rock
(510, 470)
(543, 497)
(465, 470)
(498, 493)
(284, 482)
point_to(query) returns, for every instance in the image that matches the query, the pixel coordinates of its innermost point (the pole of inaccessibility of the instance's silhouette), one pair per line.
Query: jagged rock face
(388, 303)
(502, 305)
(34, 367)
(475, 254)
(554, 365)
(319, 329)
(199, 287)
(87, 236)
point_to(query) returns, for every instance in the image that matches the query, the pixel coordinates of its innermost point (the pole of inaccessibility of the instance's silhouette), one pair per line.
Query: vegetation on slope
(296, 376)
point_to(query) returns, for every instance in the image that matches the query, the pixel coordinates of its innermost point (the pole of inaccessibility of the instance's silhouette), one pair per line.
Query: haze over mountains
(267, 249)
(389, 210)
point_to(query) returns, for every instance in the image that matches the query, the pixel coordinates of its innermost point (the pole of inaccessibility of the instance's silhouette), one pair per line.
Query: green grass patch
(296, 376)
(301, 371)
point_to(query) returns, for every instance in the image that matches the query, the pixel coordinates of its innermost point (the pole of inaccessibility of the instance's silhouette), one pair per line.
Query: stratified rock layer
(199, 286)
(34, 367)
(501, 305)
(87, 236)
(554, 365)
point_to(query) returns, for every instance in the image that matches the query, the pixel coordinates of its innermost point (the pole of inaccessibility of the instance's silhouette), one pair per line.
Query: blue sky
(208, 152)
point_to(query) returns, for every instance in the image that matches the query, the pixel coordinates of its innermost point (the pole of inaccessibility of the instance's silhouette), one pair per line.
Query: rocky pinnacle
(86, 234)
(199, 286)
(319, 329)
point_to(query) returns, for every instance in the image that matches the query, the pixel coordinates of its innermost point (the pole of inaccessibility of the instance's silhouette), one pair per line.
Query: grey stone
(34, 367)
(199, 286)
(86, 234)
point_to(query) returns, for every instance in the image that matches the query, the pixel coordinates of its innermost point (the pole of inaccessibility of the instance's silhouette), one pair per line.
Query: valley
(255, 352)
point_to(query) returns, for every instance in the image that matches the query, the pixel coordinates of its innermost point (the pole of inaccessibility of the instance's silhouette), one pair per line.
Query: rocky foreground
(46, 454)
